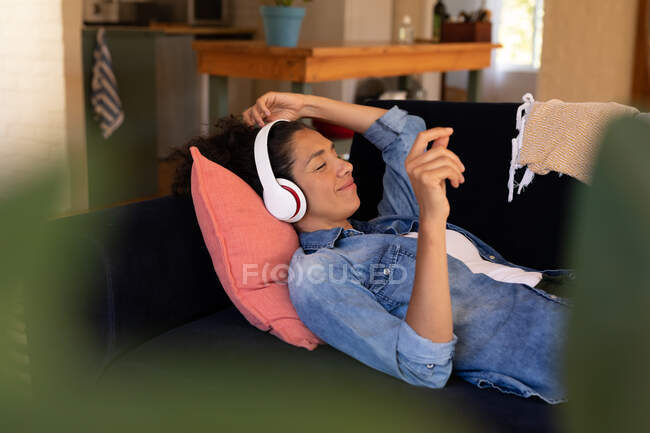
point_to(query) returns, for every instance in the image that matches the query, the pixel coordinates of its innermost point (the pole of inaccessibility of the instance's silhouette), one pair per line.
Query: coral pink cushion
(250, 250)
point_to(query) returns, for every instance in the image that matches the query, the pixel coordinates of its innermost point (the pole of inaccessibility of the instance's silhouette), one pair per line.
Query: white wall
(588, 51)
(32, 90)
(421, 13)
(365, 21)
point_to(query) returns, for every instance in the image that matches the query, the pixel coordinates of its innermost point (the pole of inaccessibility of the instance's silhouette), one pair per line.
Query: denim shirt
(352, 287)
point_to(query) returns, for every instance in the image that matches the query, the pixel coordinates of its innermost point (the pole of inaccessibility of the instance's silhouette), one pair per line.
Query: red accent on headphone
(295, 196)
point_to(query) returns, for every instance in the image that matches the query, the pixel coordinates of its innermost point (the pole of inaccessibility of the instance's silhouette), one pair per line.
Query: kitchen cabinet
(158, 84)
(124, 166)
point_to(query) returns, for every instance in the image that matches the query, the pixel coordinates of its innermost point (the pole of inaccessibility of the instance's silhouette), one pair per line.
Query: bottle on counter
(484, 14)
(439, 16)
(406, 33)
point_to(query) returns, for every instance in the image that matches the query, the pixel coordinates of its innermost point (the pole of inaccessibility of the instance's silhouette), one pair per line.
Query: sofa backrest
(528, 231)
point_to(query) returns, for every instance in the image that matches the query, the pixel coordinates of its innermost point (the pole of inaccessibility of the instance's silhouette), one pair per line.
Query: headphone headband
(262, 161)
(282, 198)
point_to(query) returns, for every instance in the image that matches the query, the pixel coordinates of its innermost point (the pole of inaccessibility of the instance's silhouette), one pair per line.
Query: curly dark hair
(232, 147)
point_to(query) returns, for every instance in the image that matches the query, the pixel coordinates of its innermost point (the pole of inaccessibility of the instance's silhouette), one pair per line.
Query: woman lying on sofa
(406, 293)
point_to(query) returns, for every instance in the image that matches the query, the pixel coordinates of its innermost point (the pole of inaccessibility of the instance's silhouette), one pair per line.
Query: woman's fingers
(272, 106)
(248, 117)
(425, 137)
(441, 168)
(252, 116)
(441, 142)
(262, 107)
(431, 155)
(448, 172)
(434, 154)
(256, 114)
(439, 163)
(259, 119)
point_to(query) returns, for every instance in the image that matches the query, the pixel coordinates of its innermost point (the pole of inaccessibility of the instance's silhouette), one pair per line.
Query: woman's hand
(428, 170)
(429, 312)
(275, 105)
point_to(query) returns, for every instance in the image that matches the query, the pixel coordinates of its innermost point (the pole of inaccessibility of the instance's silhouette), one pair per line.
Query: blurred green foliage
(609, 333)
(22, 214)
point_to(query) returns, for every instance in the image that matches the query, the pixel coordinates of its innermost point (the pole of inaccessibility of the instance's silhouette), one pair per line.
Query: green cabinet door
(124, 166)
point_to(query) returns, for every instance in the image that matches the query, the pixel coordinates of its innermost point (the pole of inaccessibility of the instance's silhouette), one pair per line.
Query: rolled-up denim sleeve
(422, 360)
(394, 134)
(344, 314)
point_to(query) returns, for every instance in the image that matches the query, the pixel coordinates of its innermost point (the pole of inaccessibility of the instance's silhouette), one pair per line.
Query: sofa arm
(140, 269)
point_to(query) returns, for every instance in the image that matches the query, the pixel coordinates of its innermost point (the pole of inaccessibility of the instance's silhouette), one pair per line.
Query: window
(520, 33)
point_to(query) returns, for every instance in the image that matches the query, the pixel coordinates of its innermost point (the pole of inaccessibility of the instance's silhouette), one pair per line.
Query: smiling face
(325, 179)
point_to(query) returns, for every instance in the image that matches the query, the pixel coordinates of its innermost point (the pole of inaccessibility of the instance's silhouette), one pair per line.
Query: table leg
(443, 86)
(403, 82)
(304, 88)
(214, 100)
(473, 85)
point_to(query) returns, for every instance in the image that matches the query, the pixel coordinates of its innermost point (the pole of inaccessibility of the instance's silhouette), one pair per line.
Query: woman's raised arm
(293, 106)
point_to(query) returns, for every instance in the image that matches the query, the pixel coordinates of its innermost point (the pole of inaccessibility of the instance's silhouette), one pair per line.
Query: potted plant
(282, 22)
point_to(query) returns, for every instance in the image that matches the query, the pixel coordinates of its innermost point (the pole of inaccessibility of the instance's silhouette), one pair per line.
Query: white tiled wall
(32, 89)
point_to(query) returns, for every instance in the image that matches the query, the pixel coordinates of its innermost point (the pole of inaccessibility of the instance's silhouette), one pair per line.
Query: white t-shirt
(461, 248)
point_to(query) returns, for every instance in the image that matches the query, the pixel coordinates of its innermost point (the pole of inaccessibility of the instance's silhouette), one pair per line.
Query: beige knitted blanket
(560, 136)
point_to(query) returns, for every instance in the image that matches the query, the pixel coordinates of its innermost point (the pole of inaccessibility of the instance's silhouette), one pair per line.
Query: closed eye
(324, 164)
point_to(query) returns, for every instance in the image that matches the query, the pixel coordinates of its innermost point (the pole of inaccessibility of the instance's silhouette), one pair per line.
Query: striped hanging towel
(105, 100)
(559, 136)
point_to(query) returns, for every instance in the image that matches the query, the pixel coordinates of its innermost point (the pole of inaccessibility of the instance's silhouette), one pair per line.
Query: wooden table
(316, 62)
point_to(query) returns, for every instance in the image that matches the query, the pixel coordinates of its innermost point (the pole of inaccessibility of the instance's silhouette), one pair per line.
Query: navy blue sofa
(147, 283)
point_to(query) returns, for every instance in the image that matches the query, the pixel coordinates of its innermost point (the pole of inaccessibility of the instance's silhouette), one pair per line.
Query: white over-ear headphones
(282, 198)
